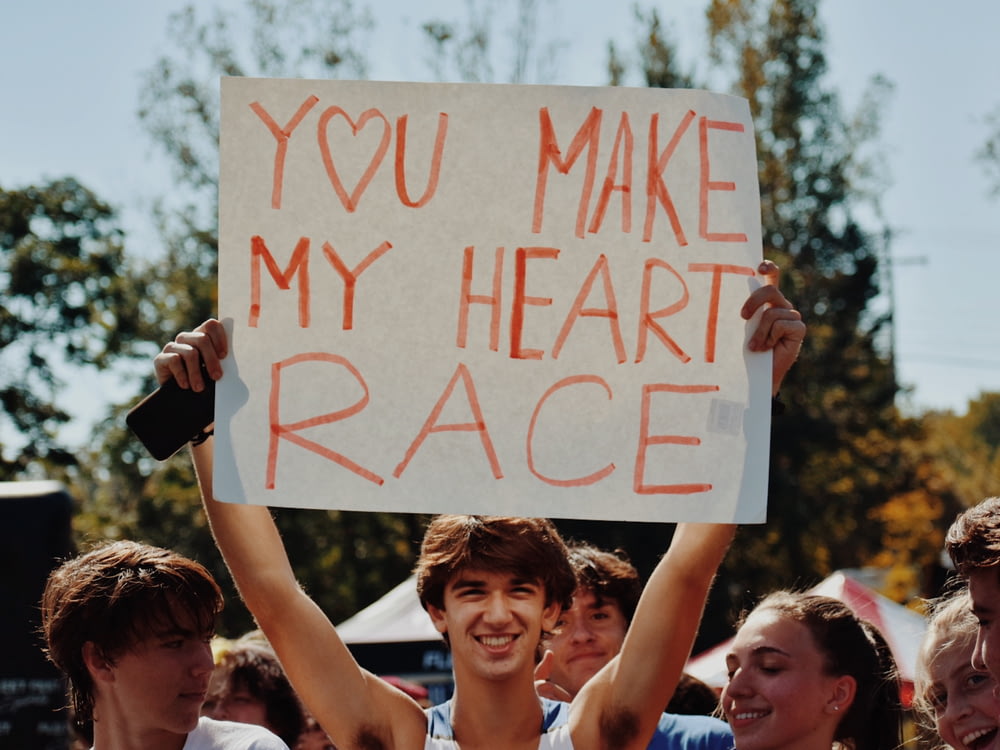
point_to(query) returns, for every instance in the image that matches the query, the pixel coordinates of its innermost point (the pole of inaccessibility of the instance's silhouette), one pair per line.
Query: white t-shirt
(555, 739)
(230, 735)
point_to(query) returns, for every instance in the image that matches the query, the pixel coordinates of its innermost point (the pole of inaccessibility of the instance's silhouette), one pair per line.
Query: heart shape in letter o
(351, 201)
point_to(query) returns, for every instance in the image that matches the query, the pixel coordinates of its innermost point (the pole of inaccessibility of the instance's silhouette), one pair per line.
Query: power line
(943, 359)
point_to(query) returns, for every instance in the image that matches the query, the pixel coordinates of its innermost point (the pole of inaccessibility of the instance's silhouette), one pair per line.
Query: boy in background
(130, 627)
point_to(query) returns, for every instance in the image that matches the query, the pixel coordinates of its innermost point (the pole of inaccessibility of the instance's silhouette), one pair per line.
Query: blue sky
(69, 92)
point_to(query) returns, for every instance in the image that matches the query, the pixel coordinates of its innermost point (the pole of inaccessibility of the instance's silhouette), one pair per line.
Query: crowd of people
(554, 644)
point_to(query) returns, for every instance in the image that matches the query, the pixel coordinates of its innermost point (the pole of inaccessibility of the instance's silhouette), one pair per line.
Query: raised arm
(355, 708)
(620, 706)
(622, 703)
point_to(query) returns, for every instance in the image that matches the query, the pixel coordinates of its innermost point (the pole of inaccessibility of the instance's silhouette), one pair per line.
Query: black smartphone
(170, 416)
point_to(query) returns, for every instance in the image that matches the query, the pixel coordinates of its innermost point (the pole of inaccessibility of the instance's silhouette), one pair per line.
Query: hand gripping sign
(520, 300)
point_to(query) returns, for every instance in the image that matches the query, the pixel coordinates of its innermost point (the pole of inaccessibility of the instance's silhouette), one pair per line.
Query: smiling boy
(492, 586)
(129, 625)
(591, 631)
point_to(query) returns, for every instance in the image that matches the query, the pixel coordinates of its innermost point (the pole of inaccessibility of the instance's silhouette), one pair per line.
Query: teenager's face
(494, 622)
(586, 637)
(157, 687)
(966, 711)
(228, 702)
(778, 694)
(984, 590)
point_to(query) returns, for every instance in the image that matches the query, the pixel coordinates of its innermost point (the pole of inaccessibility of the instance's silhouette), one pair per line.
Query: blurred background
(878, 133)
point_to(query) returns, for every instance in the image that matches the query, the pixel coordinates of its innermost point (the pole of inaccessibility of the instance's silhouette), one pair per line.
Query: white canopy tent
(394, 637)
(395, 618)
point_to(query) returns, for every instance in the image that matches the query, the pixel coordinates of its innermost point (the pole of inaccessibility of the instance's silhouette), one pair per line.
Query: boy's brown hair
(608, 575)
(973, 541)
(251, 665)
(529, 548)
(115, 596)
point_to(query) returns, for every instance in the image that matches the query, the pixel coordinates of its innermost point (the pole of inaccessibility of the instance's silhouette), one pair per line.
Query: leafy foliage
(843, 491)
(966, 448)
(468, 50)
(659, 61)
(957, 463)
(70, 299)
(837, 456)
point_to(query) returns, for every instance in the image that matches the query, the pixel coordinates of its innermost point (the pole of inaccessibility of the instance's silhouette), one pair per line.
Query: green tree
(966, 447)
(70, 300)
(658, 59)
(468, 50)
(836, 454)
(957, 464)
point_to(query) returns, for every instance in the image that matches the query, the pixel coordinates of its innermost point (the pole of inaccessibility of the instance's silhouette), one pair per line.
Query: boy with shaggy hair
(129, 625)
(493, 617)
(591, 632)
(973, 541)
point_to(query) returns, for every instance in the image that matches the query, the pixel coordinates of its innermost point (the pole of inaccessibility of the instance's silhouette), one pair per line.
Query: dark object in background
(34, 536)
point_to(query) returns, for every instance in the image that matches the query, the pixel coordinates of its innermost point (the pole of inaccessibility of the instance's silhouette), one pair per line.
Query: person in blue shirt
(591, 632)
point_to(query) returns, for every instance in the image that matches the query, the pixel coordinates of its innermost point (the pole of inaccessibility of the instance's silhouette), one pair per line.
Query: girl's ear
(842, 696)
(99, 667)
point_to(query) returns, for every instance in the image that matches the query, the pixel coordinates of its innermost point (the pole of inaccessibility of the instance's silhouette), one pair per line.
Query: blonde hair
(951, 626)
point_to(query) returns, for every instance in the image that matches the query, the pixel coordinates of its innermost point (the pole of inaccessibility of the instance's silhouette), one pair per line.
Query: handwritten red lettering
(478, 423)
(639, 485)
(281, 135)
(717, 270)
(350, 202)
(350, 276)
(647, 319)
(622, 138)
(435, 168)
(299, 263)
(578, 481)
(521, 258)
(588, 135)
(610, 312)
(656, 190)
(279, 431)
(707, 184)
(467, 298)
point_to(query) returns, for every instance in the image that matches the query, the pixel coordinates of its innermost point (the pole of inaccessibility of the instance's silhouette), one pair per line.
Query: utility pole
(888, 264)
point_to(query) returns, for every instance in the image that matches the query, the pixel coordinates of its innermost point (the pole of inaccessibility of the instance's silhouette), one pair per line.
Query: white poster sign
(518, 300)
